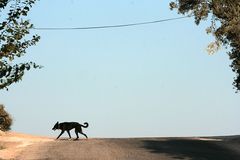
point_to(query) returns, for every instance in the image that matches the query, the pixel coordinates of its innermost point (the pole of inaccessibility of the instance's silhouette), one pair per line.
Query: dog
(67, 126)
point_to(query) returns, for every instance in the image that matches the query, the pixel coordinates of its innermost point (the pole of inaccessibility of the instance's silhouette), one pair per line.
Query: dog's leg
(76, 133)
(69, 134)
(84, 134)
(61, 134)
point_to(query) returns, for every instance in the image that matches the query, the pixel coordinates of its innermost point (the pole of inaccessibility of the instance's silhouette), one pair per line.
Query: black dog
(67, 126)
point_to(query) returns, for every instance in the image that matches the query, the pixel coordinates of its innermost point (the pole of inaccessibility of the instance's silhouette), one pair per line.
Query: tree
(225, 26)
(14, 40)
(5, 119)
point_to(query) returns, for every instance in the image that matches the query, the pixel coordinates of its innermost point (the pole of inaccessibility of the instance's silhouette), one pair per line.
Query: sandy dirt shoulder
(12, 143)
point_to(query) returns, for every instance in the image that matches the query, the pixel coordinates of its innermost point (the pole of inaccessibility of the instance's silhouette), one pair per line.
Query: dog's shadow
(67, 139)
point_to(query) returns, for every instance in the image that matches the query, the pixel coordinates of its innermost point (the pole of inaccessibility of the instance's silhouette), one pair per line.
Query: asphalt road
(135, 149)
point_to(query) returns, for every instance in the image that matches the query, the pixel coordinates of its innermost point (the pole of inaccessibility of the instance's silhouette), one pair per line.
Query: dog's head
(56, 126)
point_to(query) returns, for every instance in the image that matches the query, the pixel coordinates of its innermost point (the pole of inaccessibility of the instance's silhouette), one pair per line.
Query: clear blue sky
(151, 80)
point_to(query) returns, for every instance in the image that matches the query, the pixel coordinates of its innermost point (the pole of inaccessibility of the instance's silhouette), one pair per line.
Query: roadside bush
(5, 119)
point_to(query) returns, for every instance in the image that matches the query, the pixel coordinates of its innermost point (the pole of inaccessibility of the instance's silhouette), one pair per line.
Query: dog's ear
(57, 122)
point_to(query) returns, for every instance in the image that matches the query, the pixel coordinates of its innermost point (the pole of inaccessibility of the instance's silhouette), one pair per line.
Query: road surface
(136, 149)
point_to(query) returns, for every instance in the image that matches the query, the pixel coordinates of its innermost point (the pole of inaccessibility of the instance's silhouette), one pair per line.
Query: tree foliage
(14, 40)
(5, 119)
(225, 25)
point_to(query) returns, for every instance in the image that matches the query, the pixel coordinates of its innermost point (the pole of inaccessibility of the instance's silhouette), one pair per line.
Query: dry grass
(2, 147)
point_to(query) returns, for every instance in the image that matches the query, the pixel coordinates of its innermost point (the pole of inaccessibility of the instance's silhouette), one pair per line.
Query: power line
(109, 26)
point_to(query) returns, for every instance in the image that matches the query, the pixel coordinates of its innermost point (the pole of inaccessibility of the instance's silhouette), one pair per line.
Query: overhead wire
(109, 26)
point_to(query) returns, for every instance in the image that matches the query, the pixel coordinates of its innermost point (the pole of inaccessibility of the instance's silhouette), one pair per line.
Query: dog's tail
(85, 125)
